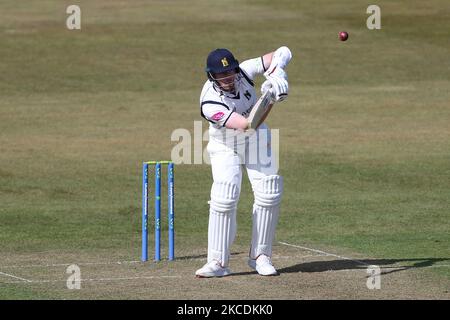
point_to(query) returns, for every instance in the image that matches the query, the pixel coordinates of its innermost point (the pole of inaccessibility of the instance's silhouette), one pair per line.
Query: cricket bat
(261, 110)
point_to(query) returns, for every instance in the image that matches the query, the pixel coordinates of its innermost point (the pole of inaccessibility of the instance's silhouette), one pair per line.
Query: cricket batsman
(226, 101)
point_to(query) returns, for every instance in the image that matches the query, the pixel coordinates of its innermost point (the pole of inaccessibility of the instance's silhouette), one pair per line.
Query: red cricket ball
(343, 35)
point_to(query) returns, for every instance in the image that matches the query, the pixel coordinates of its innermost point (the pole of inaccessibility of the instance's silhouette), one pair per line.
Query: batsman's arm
(236, 121)
(267, 60)
(279, 58)
(267, 63)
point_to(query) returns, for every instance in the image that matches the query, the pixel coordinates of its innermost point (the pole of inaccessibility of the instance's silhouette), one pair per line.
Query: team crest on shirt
(224, 62)
(218, 116)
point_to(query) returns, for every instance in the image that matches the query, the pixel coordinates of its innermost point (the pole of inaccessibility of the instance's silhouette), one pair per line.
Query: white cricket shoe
(212, 269)
(263, 265)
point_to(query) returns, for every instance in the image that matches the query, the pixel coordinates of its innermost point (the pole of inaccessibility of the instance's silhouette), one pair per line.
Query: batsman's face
(226, 80)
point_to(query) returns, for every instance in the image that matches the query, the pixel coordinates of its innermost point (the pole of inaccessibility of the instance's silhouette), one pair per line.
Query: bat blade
(260, 110)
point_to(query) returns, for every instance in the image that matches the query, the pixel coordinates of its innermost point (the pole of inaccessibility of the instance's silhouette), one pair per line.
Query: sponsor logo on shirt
(218, 116)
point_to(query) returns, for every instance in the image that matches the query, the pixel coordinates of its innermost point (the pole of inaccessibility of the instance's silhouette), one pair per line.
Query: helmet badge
(224, 62)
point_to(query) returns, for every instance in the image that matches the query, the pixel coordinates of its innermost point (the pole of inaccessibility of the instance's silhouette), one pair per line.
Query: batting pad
(222, 221)
(266, 210)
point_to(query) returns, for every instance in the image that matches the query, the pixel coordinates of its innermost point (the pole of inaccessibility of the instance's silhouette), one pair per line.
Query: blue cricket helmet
(221, 60)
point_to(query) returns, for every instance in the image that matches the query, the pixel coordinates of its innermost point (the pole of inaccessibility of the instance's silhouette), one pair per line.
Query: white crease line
(15, 277)
(414, 267)
(69, 264)
(440, 265)
(324, 253)
(55, 265)
(92, 280)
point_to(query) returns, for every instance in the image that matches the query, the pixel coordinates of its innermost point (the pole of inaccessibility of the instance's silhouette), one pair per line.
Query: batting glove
(278, 86)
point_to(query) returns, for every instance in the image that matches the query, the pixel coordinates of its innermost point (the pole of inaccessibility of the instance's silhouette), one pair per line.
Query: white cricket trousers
(228, 162)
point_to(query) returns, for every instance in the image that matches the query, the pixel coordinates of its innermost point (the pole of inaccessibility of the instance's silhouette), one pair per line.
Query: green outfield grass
(365, 134)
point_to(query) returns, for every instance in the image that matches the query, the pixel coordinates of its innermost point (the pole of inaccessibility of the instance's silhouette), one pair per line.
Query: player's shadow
(386, 265)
